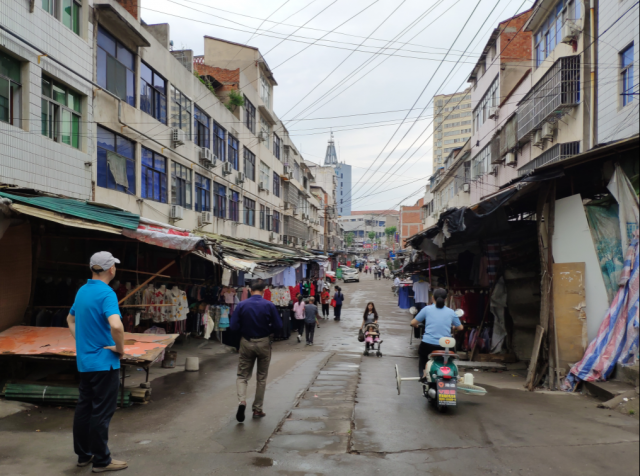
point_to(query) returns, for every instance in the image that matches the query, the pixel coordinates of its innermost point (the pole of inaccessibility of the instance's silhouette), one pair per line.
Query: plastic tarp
(617, 340)
(165, 236)
(605, 231)
(622, 190)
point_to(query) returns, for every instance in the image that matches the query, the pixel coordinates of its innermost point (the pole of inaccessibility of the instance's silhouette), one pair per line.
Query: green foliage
(372, 235)
(390, 231)
(206, 83)
(235, 100)
(348, 238)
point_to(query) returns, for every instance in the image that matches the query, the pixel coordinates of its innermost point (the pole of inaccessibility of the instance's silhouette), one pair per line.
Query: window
(489, 100)
(550, 33)
(234, 206)
(277, 146)
(50, 6)
(265, 131)
(276, 184)
(153, 93)
(233, 151)
(626, 62)
(268, 220)
(181, 185)
(203, 194)
(250, 115)
(249, 165)
(265, 175)
(116, 66)
(249, 212)
(60, 113)
(265, 91)
(202, 130)
(10, 90)
(263, 217)
(71, 15)
(154, 176)
(220, 204)
(481, 163)
(219, 142)
(276, 222)
(180, 111)
(116, 162)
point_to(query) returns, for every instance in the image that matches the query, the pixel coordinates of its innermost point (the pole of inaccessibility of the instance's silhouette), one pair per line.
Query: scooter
(442, 381)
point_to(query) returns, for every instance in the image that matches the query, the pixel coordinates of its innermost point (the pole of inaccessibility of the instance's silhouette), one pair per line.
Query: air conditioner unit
(547, 131)
(570, 30)
(272, 237)
(466, 188)
(287, 170)
(179, 137)
(263, 136)
(240, 178)
(287, 206)
(207, 159)
(494, 171)
(227, 168)
(537, 139)
(262, 187)
(177, 212)
(511, 159)
(290, 175)
(493, 112)
(206, 218)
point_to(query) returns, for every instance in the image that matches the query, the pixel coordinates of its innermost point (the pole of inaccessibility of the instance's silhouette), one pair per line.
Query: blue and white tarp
(617, 340)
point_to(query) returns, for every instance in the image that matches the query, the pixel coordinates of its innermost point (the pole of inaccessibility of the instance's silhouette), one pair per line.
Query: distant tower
(343, 173)
(331, 158)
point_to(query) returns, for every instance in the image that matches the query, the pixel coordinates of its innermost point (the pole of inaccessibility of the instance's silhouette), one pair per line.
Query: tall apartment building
(452, 124)
(95, 105)
(325, 188)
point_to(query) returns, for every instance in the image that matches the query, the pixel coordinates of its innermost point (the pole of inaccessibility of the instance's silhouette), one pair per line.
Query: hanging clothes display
(421, 292)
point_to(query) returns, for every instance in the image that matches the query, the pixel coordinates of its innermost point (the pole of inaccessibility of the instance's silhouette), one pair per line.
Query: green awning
(80, 209)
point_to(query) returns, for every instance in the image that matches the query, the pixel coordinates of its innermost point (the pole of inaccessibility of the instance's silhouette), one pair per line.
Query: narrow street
(331, 411)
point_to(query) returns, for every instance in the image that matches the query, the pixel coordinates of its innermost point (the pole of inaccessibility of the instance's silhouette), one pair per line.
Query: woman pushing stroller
(371, 330)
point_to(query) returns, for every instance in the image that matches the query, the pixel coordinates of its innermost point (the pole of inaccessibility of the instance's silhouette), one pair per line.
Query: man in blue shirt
(256, 319)
(438, 321)
(96, 325)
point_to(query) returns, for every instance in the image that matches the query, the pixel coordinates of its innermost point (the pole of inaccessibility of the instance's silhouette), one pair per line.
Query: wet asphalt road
(331, 411)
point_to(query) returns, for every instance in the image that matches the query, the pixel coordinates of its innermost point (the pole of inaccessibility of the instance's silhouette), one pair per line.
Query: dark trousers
(424, 351)
(337, 311)
(325, 310)
(310, 330)
(300, 326)
(96, 405)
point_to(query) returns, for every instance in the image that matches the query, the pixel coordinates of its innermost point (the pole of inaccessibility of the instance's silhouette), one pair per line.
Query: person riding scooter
(438, 320)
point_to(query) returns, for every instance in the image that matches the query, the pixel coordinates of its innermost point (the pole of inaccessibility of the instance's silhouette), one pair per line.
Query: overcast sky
(402, 45)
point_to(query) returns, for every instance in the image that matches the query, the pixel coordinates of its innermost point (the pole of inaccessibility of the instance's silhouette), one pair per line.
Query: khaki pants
(250, 351)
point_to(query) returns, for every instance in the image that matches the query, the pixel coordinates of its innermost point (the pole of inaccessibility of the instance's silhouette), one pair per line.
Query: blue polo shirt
(256, 318)
(94, 304)
(437, 323)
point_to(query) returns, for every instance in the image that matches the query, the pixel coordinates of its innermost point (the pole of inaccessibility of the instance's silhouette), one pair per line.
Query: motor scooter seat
(441, 353)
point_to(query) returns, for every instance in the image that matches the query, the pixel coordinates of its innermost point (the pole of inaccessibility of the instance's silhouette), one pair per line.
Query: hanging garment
(498, 305)
(404, 302)
(493, 261)
(421, 292)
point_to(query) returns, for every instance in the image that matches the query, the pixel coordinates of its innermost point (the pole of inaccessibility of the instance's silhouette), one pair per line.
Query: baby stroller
(372, 339)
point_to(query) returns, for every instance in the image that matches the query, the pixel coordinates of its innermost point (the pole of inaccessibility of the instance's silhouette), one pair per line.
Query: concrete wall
(615, 121)
(27, 158)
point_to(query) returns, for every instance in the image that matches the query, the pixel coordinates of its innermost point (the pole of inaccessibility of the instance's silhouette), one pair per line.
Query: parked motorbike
(442, 382)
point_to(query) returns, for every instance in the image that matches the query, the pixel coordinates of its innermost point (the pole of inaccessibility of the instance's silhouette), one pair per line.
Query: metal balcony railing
(551, 97)
(557, 153)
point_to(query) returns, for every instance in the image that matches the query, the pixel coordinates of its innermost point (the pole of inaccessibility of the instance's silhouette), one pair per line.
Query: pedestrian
(339, 299)
(370, 315)
(298, 313)
(95, 323)
(396, 285)
(366, 269)
(256, 319)
(325, 300)
(310, 320)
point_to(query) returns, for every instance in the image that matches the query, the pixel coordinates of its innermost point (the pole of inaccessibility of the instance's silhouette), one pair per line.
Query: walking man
(310, 320)
(256, 319)
(96, 325)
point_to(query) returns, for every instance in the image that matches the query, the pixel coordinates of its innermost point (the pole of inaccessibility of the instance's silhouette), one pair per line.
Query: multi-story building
(324, 188)
(411, 220)
(95, 105)
(451, 124)
(344, 178)
(618, 80)
(362, 223)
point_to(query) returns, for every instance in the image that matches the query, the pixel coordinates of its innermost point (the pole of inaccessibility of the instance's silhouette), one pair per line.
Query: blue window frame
(220, 203)
(116, 67)
(203, 194)
(550, 33)
(116, 162)
(202, 129)
(234, 207)
(234, 151)
(153, 93)
(627, 71)
(154, 176)
(219, 142)
(181, 184)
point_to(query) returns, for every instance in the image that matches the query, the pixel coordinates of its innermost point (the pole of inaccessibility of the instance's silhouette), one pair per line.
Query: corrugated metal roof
(80, 209)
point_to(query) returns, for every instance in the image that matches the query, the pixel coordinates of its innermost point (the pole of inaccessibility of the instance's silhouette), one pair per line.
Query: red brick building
(410, 220)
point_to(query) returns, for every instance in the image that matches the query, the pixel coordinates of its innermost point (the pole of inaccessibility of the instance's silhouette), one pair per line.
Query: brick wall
(517, 44)
(132, 6)
(230, 78)
(411, 220)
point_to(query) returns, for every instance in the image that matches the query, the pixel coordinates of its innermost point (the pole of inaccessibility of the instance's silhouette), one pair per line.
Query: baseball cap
(103, 260)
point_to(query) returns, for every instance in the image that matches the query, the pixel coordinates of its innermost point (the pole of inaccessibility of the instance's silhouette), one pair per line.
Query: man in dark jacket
(256, 319)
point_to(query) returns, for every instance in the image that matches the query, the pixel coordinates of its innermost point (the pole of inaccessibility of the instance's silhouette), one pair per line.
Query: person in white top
(396, 284)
